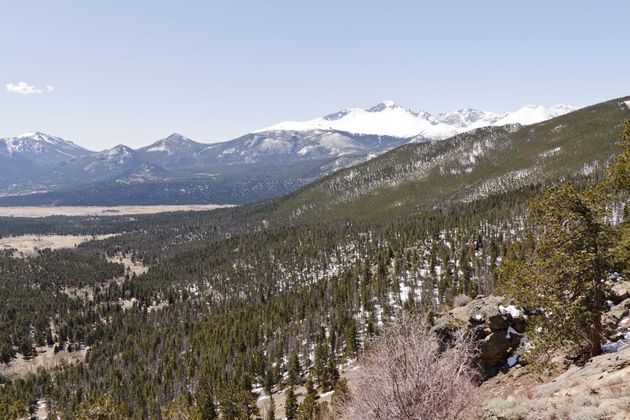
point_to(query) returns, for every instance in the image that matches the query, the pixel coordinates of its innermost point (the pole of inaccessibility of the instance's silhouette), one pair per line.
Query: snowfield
(389, 119)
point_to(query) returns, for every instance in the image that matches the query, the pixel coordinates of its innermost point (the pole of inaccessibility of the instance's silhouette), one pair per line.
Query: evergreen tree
(562, 278)
(271, 411)
(204, 399)
(100, 407)
(308, 409)
(320, 365)
(350, 338)
(290, 405)
(294, 370)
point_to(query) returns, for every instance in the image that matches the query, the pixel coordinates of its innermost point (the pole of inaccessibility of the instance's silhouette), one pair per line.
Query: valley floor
(45, 211)
(28, 245)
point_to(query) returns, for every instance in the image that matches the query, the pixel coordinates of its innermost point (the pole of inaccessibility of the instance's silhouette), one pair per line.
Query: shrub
(407, 373)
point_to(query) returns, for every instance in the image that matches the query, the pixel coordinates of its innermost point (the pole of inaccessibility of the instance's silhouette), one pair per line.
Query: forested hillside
(243, 303)
(468, 166)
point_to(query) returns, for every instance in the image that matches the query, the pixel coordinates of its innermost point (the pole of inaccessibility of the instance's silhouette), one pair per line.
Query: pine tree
(271, 411)
(290, 405)
(563, 276)
(100, 407)
(618, 174)
(310, 387)
(308, 408)
(350, 338)
(204, 400)
(321, 362)
(294, 370)
(574, 253)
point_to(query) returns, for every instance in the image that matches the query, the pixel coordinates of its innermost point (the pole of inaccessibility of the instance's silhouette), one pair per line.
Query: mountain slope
(175, 152)
(42, 149)
(467, 166)
(26, 160)
(285, 147)
(45, 170)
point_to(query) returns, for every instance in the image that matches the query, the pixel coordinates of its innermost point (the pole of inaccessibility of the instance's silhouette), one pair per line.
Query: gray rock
(612, 318)
(498, 333)
(619, 291)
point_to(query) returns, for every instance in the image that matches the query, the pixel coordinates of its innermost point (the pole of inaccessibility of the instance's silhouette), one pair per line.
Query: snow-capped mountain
(173, 152)
(262, 164)
(390, 119)
(40, 148)
(173, 144)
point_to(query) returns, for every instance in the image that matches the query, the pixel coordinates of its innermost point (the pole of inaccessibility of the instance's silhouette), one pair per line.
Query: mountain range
(390, 119)
(466, 167)
(36, 168)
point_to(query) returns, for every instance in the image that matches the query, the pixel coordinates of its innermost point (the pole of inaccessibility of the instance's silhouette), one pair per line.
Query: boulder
(619, 291)
(483, 310)
(616, 316)
(497, 328)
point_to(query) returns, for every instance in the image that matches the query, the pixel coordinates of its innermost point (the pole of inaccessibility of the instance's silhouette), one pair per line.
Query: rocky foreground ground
(599, 389)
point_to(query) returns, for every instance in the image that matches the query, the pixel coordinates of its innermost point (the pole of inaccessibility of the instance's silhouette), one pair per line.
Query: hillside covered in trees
(263, 300)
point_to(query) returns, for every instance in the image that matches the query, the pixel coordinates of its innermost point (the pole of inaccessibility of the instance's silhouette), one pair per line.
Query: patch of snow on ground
(510, 309)
(404, 292)
(511, 331)
(522, 348)
(325, 394)
(615, 346)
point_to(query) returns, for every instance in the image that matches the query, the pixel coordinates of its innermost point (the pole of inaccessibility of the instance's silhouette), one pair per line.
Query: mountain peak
(39, 136)
(175, 144)
(31, 134)
(386, 104)
(177, 137)
(42, 148)
(119, 149)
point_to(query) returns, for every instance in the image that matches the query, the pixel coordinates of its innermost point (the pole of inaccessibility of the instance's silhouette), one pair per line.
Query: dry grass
(617, 390)
(46, 359)
(43, 211)
(27, 245)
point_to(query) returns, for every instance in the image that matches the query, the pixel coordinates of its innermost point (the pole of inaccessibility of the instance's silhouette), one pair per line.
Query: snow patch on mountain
(36, 142)
(390, 119)
(162, 147)
(532, 114)
(117, 152)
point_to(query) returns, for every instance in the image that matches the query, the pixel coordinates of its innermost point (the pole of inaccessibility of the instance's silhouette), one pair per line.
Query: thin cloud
(23, 88)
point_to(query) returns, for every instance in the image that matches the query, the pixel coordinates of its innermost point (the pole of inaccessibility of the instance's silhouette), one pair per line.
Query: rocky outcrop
(499, 330)
(619, 291)
(614, 317)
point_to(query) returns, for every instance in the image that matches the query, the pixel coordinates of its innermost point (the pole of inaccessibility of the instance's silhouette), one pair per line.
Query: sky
(110, 72)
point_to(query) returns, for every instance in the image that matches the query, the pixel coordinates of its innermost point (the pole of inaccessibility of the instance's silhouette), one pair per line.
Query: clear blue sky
(135, 71)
